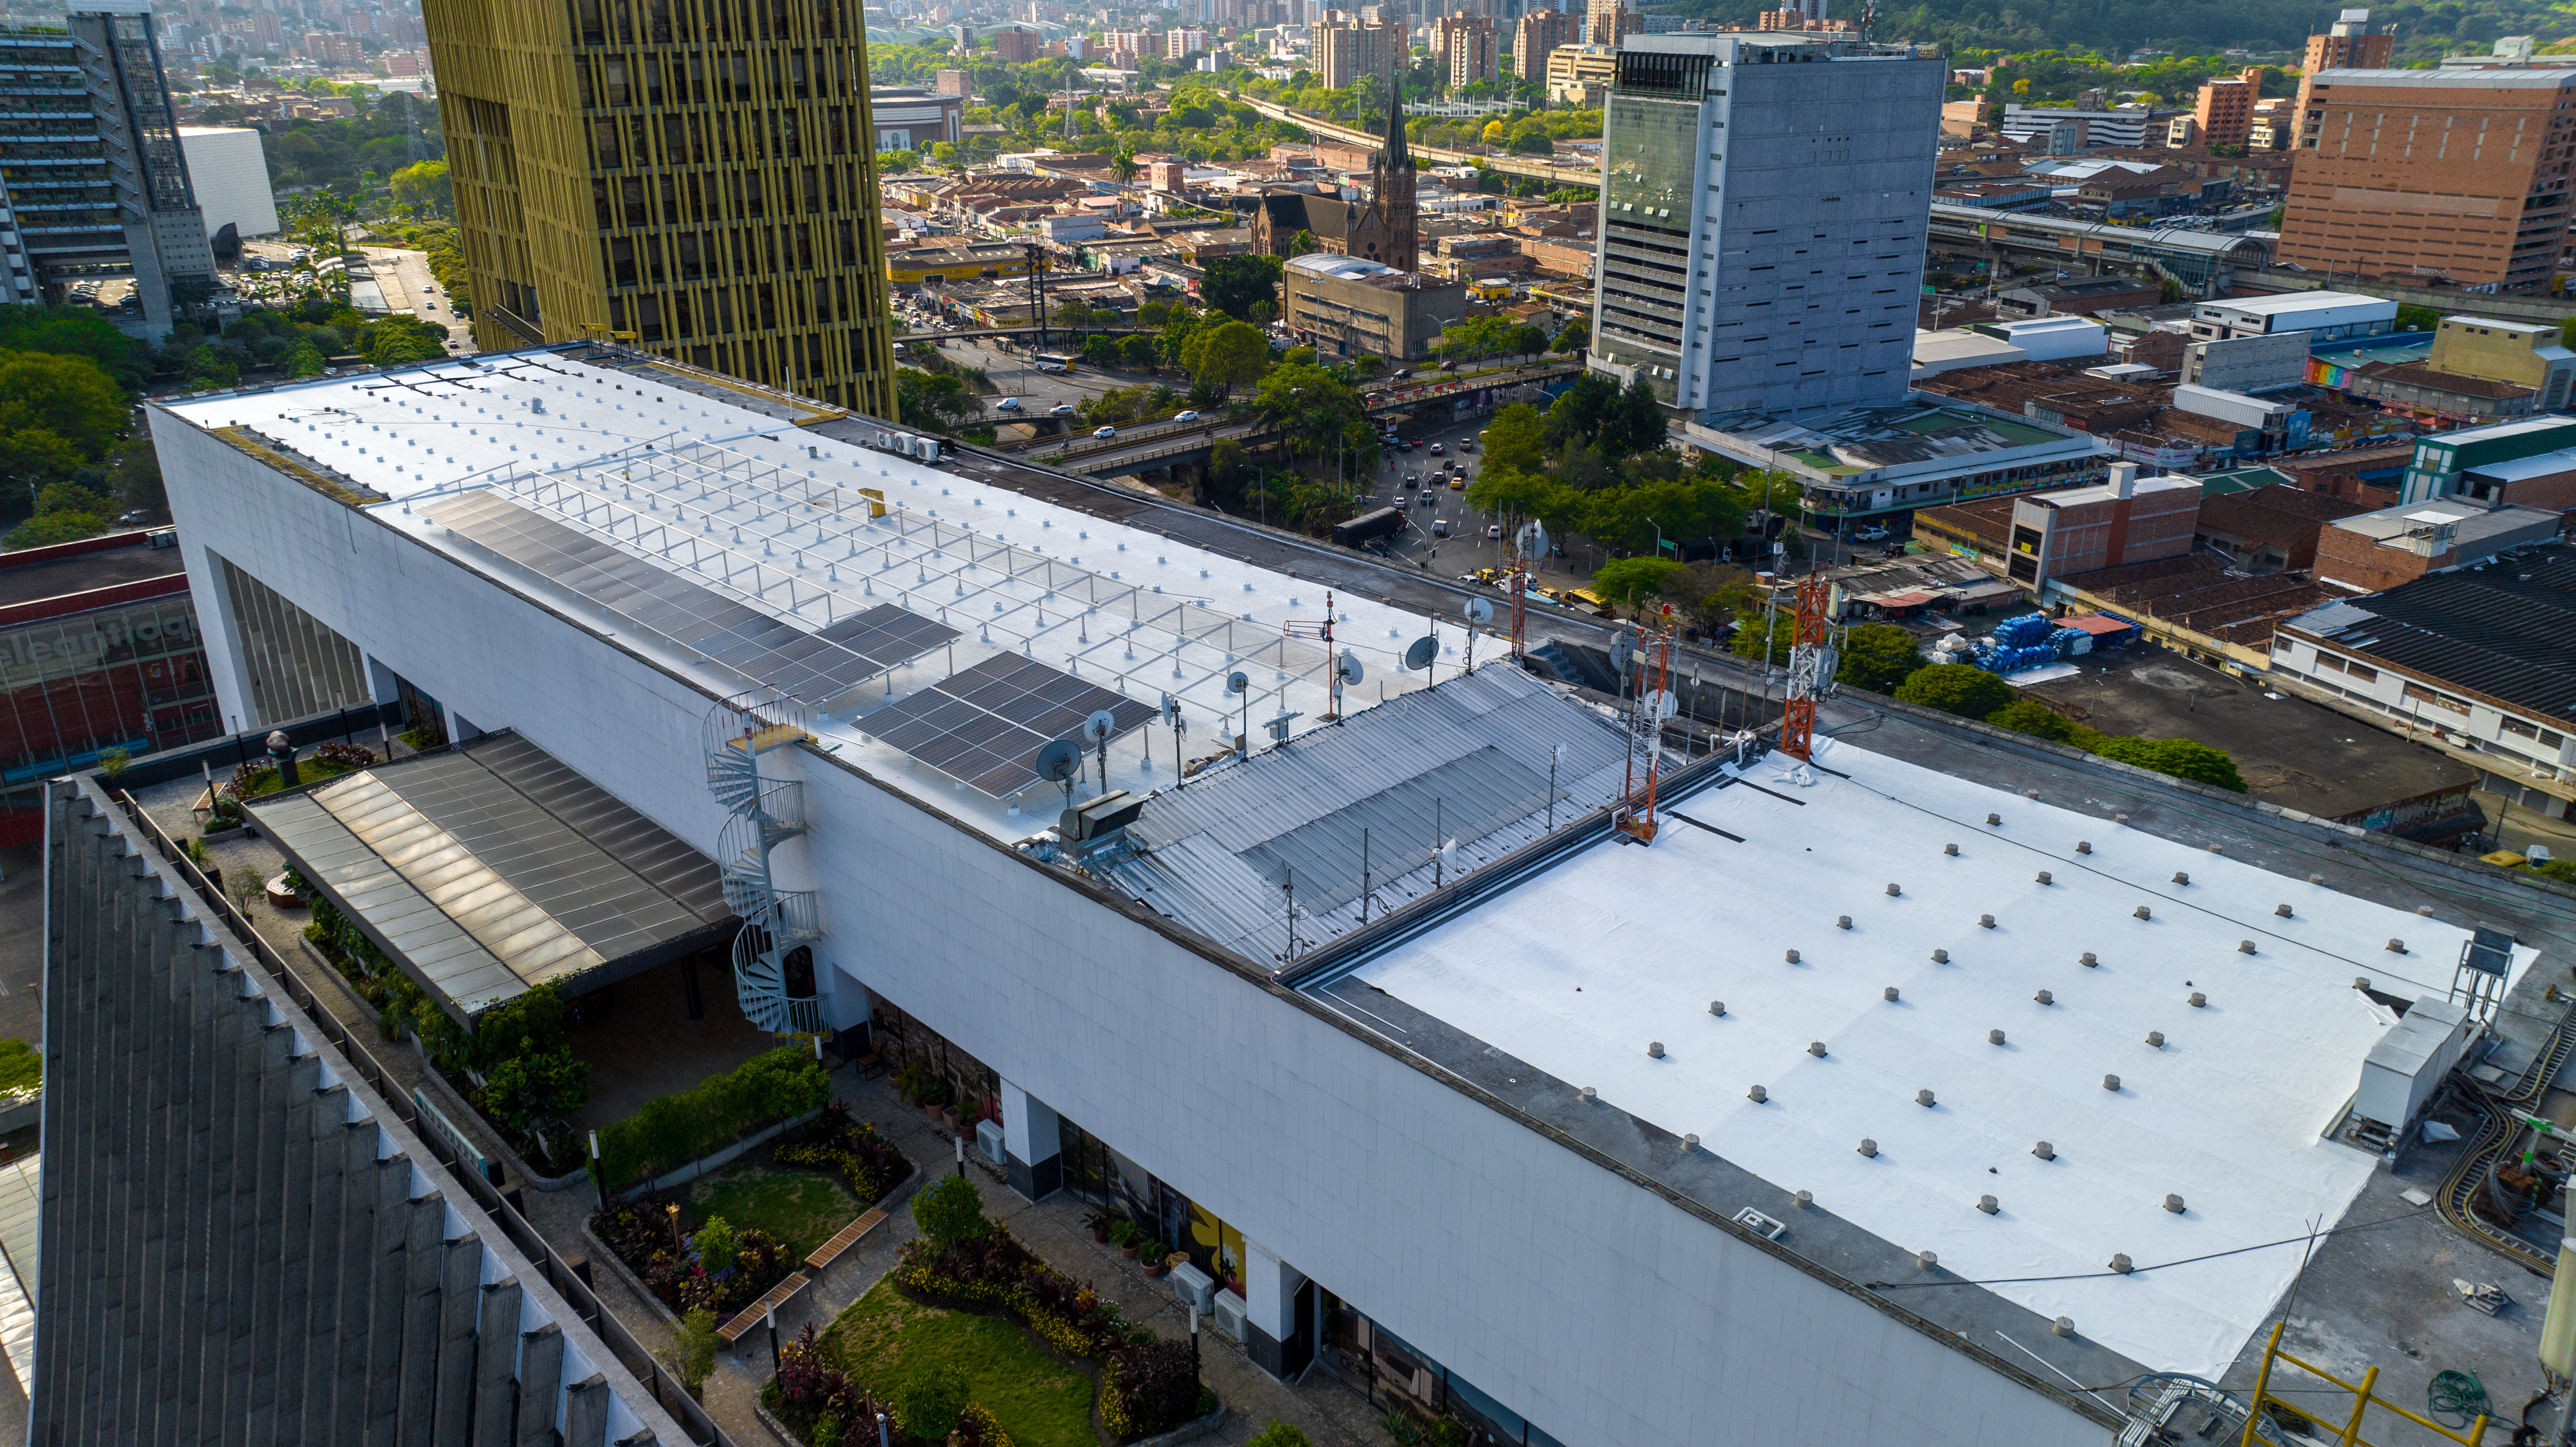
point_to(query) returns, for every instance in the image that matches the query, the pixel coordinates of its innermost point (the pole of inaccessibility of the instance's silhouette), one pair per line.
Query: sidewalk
(1330, 1414)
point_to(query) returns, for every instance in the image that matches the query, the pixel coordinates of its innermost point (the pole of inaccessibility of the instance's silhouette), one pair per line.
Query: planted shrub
(950, 1210)
(677, 1129)
(838, 1142)
(809, 1390)
(683, 1279)
(930, 1400)
(1149, 1388)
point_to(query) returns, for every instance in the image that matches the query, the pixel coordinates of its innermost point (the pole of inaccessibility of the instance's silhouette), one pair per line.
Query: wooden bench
(850, 1235)
(733, 1330)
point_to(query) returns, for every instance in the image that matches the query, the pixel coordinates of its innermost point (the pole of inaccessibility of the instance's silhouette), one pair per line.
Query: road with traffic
(1538, 168)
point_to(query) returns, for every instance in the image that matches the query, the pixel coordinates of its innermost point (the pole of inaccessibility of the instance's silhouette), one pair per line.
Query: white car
(1061, 409)
(1185, 416)
(1106, 432)
(1007, 404)
(1872, 533)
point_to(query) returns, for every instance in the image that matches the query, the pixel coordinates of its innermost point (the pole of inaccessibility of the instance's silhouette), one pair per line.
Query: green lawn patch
(1039, 1400)
(801, 1208)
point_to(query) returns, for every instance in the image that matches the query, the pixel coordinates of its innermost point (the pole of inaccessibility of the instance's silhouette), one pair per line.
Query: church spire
(1396, 157)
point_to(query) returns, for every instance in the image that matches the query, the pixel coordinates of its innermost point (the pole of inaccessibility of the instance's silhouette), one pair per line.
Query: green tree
(423, 186)
(1575, 337)
(930, 1400)
(1226, 356)
(1634, 580)
(950, 1210)
(717, 1246)
(936, 401)
(76, 332)
(401, 338)
(1877, 656)
(531, 1094)
(1959, 688)
(68, 396)
(1525, 340)
(1277, 1434)
(1509, 493)
(1303, 244)
(37, 455)
(692, 1357)
(1767, 634)
(1580, 411)
(2030, 716)
(1474, 339)
(2182, 758)
(1516, 439)
(1317, 414)
(1635, 423)
(1235, 285)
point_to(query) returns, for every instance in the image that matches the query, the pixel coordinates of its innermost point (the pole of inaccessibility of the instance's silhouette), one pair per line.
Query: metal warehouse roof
(490, 868)
(2507, 631)
(1465, 764)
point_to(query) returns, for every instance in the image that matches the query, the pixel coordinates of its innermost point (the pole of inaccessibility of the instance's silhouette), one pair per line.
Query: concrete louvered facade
(242, 1242)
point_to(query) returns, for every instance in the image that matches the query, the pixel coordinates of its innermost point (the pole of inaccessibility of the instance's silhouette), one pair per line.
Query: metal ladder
(765, 814)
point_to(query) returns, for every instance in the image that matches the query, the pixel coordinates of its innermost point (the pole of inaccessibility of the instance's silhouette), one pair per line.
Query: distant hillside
(2117, 27)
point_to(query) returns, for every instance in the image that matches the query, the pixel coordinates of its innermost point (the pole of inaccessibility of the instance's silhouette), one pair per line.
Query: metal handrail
(632, 1354)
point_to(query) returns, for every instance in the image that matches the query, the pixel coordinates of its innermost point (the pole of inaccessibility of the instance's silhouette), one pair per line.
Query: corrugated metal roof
(491, 867)
(2507, 631)
(1474, 752)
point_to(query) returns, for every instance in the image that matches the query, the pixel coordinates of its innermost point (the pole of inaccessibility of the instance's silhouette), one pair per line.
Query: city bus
(1053, 361)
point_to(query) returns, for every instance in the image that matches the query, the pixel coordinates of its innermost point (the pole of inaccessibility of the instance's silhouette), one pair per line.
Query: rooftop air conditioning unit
(1194, 1287)
(1230, 1314)
(988, 1139)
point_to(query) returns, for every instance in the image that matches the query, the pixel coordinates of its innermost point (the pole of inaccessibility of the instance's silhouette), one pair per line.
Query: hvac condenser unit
(2408, 1064)
(1194, 1287)
(988, 1139)
(1230, 1314)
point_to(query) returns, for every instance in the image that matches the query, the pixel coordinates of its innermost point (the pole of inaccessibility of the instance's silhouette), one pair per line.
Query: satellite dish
(1531, 539)
(1622, 644)
(1662, 704)
(1171, 709)
(1100, 726)
(1479, 610)
(1238, 683)
(1059, 761)
(1421, 653)
(1350, 669)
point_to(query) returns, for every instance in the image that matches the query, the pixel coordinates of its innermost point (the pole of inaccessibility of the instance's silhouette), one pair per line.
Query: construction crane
(1651, 703)
(1811, 667)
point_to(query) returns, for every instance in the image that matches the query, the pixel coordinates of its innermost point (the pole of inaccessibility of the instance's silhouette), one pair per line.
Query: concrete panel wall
(1598, 1309)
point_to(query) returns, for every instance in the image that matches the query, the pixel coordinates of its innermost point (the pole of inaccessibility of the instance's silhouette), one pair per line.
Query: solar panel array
(985, 725)
(811, 667)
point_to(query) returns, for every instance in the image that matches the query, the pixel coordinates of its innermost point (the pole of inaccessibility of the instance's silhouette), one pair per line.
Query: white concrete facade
(1602, 1308)
(231, 176)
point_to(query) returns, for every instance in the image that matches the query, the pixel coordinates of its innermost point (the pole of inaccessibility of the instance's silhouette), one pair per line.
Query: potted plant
(1125, 1234)
(1097, 1223)
(1165, 1266)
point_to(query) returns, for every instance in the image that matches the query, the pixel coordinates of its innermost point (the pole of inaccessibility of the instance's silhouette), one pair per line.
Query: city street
(403, 278)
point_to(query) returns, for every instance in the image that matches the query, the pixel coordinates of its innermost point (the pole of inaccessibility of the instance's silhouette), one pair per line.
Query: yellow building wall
(698, 172)
(2469, 347)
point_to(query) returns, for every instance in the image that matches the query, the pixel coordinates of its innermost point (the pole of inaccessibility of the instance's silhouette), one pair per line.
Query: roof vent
(1994, 1037)
(1940, 957)
(2282, 910)
(2030, 793)
(2397, 947)
(2174, 1204)
(1888, 994)
(2316, 879)
(1985, 921)
(2244, 947)
(1842, 921)
(2083, 846)
(1757, 1095)
(1816, 1048)
(2089, 962)
(2217, 849)
(1654, 1050)
(2044, 1151)
(2199, 1000)
(1925, 1099)
(2361, 982)
(2425, 910)
(1792, 957)
(1806, 1200)
(2143, 912)
(2156, 1038)
(2111, 1083)
(1690, 1142)
(1717, 1007)
(2119, 818)
(1989, 1205)
(1589, 1094)
(1927, 1259)
(2043, 877)
(2045, 998)
(1868, 1147)
(2063, 1326)
(1893, 891)
(1994, 819)
(2181, 878)
(2120, 1263)
(1951, 850)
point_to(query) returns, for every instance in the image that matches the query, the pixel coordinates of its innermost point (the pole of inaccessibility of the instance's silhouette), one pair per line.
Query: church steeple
(1391, 195)
(1395, 153)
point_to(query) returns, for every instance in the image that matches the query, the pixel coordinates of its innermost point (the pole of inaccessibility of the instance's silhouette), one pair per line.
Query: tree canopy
(1226, 356)
(1959, 688)
(1235, 285)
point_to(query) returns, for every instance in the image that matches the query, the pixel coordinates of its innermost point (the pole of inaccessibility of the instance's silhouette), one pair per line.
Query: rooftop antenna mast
(1528, 542)
(1651, 704)
(1811, 667)
(1335, 667)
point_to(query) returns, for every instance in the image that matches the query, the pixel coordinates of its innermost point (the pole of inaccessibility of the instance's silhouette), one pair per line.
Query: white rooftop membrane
(1576, 972)
(768, 514)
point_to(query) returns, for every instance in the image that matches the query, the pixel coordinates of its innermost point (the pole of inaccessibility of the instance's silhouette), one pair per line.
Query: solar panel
(813, 667)
(985, 725)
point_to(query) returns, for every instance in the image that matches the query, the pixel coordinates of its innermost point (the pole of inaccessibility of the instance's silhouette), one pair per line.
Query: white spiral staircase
(765, 814)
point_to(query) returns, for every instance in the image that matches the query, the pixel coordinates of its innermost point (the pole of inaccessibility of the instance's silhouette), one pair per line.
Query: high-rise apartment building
(93, 182)
(1536, 36)
(2346, 45)
(1606, 21)
(1017, 45)
(1763, 209)
(2224, 113)
(1463, 48)
(1181, 43)
(1347, 47)
(699, 175)
(2454, 173)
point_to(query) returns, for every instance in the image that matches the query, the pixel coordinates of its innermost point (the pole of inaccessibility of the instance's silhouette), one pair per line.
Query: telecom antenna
(1307, 628)
(1810, 669)
(1527, 542)
(1479, 611)
(1652, 702)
